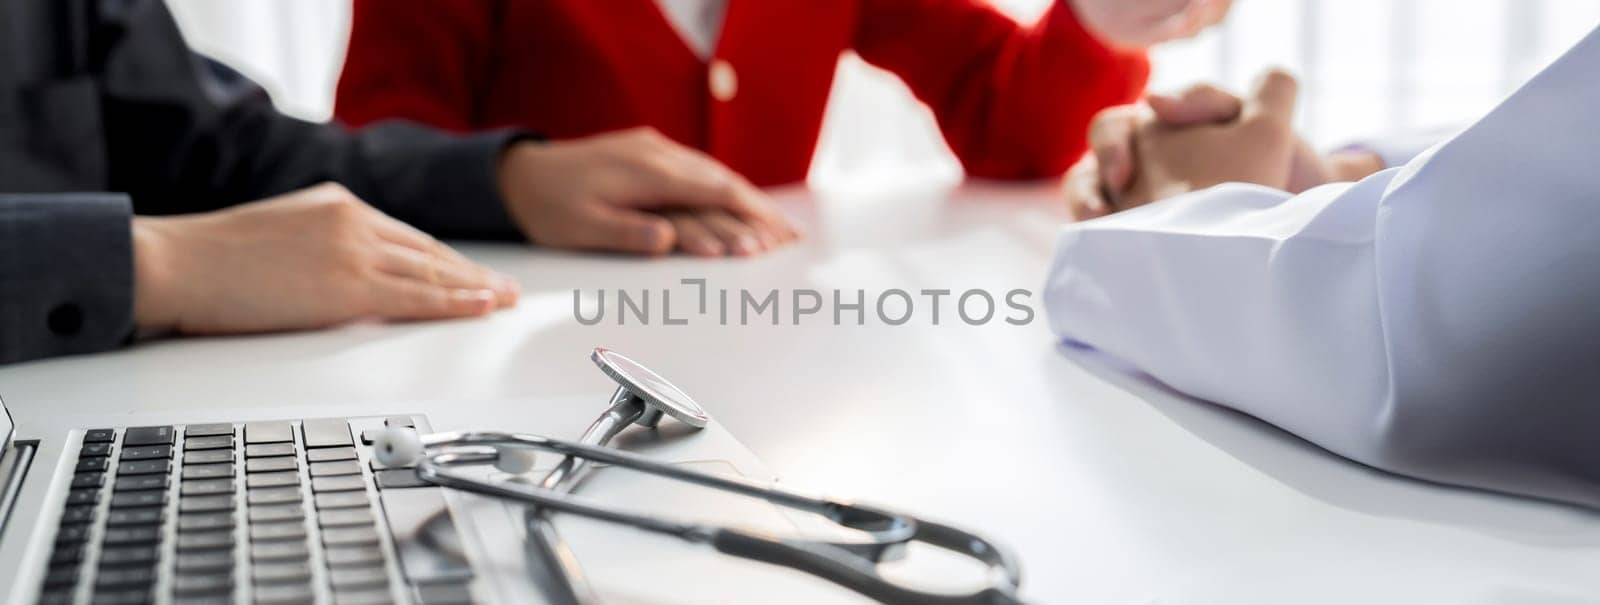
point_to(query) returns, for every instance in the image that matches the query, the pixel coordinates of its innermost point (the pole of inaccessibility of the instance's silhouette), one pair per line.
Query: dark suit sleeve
(185, 134)
(66, 274)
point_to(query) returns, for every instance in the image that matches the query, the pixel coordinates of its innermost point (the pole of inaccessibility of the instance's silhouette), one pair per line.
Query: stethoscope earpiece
(514, 460)
(397, 447)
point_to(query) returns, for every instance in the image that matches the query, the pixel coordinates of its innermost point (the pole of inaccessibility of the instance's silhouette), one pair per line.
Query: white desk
(1111, 489)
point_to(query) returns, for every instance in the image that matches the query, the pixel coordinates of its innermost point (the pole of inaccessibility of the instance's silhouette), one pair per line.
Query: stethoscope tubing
(848, 564)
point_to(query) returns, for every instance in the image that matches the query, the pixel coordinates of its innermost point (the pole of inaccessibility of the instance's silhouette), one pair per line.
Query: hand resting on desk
(1203, 137)
(307, 259)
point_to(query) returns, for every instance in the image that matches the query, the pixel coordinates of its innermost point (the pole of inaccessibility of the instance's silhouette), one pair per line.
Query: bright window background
(1367, 68)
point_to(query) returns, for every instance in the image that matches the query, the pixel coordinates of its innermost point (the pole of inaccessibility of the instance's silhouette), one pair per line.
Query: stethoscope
(643, 398)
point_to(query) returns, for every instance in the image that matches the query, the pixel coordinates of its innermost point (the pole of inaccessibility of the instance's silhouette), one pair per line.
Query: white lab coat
(1440, 320)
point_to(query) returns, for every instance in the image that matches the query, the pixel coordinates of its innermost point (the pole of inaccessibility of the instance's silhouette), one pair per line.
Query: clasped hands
(1203, 137)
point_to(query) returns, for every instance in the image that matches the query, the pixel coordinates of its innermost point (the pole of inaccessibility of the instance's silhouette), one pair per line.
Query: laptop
(298, 510)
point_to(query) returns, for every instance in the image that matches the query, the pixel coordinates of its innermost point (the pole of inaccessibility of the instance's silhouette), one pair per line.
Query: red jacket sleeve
(423, 60)
(1013, 101)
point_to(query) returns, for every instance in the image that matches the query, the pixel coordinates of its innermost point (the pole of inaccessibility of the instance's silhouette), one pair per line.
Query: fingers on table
(1082, 188)
(620, 229)
(688, 178)
(451, 271)
(694, 236)
(402, 298)
(1111, 141)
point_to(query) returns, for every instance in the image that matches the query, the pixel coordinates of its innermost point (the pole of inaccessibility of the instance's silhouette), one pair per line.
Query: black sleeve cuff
(66, 274)
(445, 184)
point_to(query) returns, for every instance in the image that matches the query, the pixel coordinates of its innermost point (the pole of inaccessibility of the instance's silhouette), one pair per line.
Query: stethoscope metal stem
(570, 585)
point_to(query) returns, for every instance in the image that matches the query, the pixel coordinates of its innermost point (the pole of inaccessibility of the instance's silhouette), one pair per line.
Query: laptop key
(203, 504)
(208, 430)
(203, 562)
(144, 467)
(291, 530)
(134, 483)
(357, 577)
(78, 514)
(89, 496)
(273, 495)
(128, 555)
(339, 467)
(72, 534)
(205, 521)
(339, 556)
(88, 480)
(268, 432)
(122, 596)
(267, 513)
(147, 452)
(329, 454)
(138, 499)
(205, 541)
(136, 516)
(99, 436)
(267, 551)
(61, 576)
(95, 449)
(278, 479)
(326, 432)
(131, 535)
(345, 516)
(216, 470)
(341, 483)
(404, 422)
(271, 572)
(271, 464)
(147, 435)
(207, 456)
(120, 577)
(91, 465)
(269, 449)
(209, 443)
(362, 596)
(203, 487)
(349, 536)
(442, 594)
(342, 500)
(397, 478)
(66, 553)
(283, 593)
(188, 585)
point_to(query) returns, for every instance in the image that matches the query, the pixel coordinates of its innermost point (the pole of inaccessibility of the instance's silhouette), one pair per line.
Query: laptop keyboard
(262, 512)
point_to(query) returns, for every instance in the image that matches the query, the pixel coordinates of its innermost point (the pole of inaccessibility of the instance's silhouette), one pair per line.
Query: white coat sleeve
(1440, 320)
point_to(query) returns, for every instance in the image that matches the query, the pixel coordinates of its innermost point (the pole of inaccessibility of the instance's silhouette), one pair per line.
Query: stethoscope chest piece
(660, 396)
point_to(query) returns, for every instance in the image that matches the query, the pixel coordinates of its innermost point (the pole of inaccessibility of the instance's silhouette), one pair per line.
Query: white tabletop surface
(1111, 489)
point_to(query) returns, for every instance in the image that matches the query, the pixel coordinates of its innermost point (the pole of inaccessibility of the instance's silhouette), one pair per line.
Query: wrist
(521, 176)
(153, 275)
(1354, 164)
(512, 174)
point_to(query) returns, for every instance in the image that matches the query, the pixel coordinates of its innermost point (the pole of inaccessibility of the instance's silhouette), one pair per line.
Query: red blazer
(1012, 101)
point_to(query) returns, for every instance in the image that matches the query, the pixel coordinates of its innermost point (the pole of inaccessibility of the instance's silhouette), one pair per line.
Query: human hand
(306, 259)
(1093, 185)
(1143, 23)
(1258, 147)
(602, 193)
